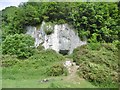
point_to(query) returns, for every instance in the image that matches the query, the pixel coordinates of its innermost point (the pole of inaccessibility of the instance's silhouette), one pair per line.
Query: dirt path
(72, 69)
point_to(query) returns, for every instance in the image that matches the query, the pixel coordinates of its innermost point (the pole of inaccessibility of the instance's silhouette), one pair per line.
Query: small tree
(18, 44)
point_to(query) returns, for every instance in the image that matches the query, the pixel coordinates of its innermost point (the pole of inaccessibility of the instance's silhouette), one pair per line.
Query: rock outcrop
(60, 38)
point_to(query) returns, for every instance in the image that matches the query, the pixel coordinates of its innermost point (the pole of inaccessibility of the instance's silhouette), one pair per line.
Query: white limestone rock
(63, 39)
(67, 64)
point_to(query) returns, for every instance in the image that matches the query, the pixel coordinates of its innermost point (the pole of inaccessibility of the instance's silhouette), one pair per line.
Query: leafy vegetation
(30, 72)
(34, 66)
(18, 44)
(57, 70)
(98, 66)
(99, 75)
(49, 28)
(97, 21)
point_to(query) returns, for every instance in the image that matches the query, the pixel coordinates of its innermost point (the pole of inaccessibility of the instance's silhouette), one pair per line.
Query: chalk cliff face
(62, 38)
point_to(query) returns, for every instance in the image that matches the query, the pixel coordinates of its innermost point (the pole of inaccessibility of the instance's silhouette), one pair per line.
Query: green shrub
(61, 21)
(98, 66)
(78, 52)
(18, 44)
(93, 43)
(56, 70)
(93, 38)
(109, 46)
(98, 74)
(116, 43)
(108, 57)
(46, 57)
(94, 46)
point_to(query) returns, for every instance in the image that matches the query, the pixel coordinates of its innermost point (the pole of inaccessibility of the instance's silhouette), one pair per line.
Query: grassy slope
(28, 73)
(56, 83)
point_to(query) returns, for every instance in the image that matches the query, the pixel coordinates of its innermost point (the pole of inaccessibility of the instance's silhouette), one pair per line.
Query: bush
(107, 56)
(56, 70)
(93, 43)
(109, 46)
(18, 44)
(116, 43)
(61, 21)
(98, 66)
(98, 74)
(78, 52)
(94, 46)
(45, 57)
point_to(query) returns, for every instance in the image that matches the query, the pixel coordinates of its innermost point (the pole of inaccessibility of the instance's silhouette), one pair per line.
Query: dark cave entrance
(64, 52)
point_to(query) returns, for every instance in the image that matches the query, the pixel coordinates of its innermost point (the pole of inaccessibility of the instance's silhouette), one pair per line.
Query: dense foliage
(98, 74)
(18, 44)
(100, 20)
(46, 56)
(57, 70)
(99, 66)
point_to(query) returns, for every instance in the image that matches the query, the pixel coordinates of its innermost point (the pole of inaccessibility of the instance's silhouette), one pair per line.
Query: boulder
(67, 64)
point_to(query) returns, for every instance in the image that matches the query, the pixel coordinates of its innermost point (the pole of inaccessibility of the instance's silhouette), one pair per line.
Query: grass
(29, 72)
(55, 83)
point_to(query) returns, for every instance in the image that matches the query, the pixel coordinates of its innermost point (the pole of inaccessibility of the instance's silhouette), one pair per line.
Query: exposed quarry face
(60, 38)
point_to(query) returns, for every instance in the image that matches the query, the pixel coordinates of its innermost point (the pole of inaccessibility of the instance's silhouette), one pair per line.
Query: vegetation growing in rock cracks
(49, 28)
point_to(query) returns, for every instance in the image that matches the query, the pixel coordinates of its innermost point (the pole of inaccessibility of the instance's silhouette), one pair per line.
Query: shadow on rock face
(64, 52)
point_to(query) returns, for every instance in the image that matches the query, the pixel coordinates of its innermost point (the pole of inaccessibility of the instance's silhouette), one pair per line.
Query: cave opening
(64, 52)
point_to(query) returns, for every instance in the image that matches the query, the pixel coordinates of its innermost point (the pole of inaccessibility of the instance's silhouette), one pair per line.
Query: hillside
(82, 35)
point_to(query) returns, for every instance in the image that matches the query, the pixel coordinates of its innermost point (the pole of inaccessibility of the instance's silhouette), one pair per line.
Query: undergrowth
(33, 67)
(98, 65)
